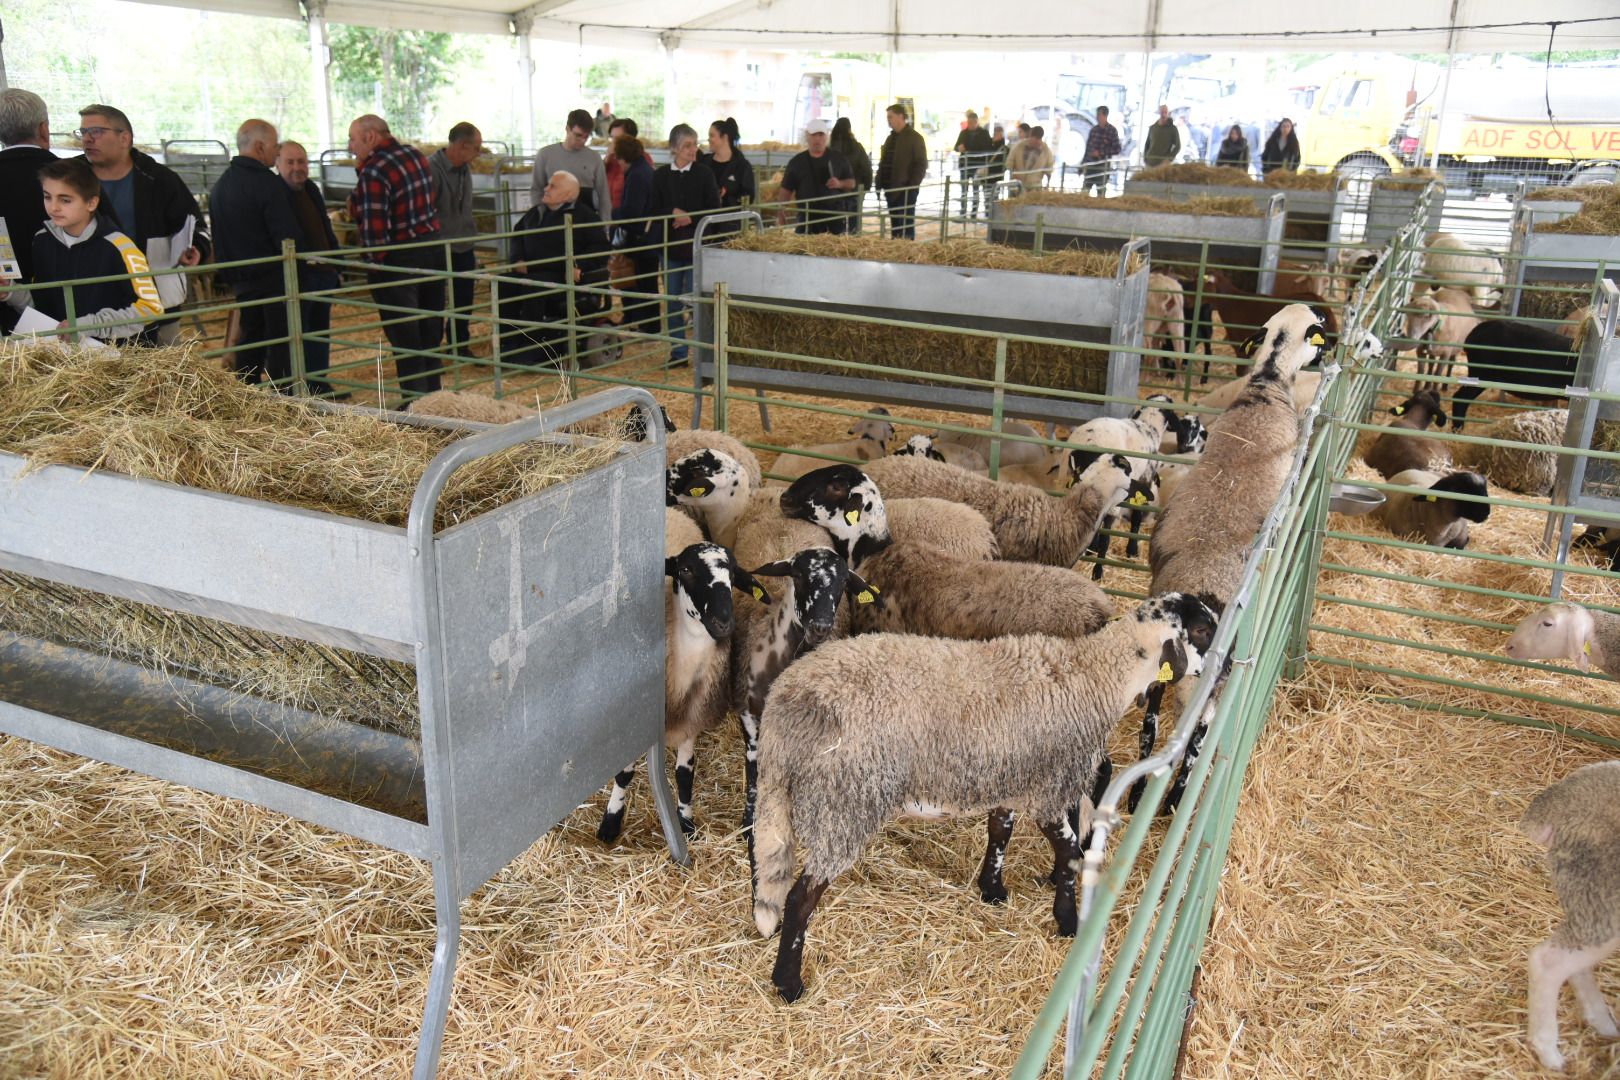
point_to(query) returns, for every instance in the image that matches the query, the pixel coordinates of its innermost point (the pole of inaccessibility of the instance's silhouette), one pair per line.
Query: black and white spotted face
(920, 446)
(820, 578)
(1191, 435)
(703, 576)
(841, 499)
(1104, 471)
(1160, 404)
(1194, 622)
(635, 424)
(703, 478)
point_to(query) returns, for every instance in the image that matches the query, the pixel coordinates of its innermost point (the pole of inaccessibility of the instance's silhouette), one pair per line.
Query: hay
(1289, 180)
(1408, 178)
(166, 414)
(1545, 300)
(1196, 172)
(1567, 194)
(770, 146)
(1599, 217)
(1225, 206)
(963, 252)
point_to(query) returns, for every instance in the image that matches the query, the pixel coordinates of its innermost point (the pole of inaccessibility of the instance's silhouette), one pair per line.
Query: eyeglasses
(94, 133)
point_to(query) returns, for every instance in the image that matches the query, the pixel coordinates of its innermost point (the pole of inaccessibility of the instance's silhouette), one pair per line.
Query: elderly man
(816, 177)
(974, 148)
(453, 195)
(149, 201)
(252, 217)
(541, 245)
(315, 234)
(575, 156)
(25, 130)
(392, 203)
(901, 169)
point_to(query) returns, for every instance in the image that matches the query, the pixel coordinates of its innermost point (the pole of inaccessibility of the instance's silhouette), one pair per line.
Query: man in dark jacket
(544, 254)
(252, 217)
(1102, 144)
(814, 177)
(453, 195)
(146, 199)
(1163, 140)
(684, 190)
(901, 168)
(25, 129)
(314, 234)
(974, 149)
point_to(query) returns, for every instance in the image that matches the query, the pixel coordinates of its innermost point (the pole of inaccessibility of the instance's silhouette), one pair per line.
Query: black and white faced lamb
(1435, 516)
(714, 486)
(951, 453)
(888, 725)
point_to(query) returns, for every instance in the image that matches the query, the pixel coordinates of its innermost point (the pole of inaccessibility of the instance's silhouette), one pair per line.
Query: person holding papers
(78, 242)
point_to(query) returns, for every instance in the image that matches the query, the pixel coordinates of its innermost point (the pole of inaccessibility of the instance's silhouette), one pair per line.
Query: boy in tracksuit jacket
(78, 243)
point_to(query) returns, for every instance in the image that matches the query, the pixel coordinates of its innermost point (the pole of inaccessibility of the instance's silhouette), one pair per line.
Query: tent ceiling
(1031, 25)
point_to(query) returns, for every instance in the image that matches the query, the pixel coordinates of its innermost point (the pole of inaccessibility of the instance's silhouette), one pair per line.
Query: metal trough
(1391, 209)
(1353, 500)
(1107, 311)
(1192, 238)
(536, 631)
(1557, 257)
(1318, 210)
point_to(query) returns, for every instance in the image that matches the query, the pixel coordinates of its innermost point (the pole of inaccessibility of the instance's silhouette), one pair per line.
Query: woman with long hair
(843, 140)
(732, 170)
(1282, 149)
(1234, 151)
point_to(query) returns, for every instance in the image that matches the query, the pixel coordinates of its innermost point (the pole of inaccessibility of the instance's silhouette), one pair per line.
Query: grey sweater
(584, 163)
(453, 195)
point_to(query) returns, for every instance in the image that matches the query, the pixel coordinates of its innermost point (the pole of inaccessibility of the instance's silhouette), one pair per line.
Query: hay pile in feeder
(770, 146)
(1544, 300)
(1408, 178)
(1196, 172)
(1567, 194)
(1309, 180)
(960, 252)
(164, 414)
(1600, 216)
(1225, 206)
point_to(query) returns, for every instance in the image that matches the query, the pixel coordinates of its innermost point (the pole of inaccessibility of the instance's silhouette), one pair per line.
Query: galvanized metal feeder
(1557, 257)
(1391, 209)
(1318, 211)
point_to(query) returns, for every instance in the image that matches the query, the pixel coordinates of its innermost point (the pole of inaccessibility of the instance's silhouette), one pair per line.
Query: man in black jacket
(544, 255)
(146, 199)
(314, 234)
(25, 130)
(974, 149)
(252, 217)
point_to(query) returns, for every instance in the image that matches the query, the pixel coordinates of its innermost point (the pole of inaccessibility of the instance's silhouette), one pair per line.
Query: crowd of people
(114, 210)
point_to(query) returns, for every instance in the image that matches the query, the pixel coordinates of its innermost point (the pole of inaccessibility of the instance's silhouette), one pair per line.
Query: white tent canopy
(1040, 25)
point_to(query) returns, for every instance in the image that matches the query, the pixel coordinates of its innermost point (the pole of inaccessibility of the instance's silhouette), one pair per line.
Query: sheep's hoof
(1550, 1058)
(612, 825)
(1135, 796)
(791, 988)
(993, 894)
(688, 826)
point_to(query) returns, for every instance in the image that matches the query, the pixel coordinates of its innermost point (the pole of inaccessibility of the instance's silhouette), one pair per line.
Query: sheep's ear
(1172, 661)
(669, 566)
(743, 581)
(1440, 418)
(861, 591)
(1400, 410)
(772, 569)
(1252, 344)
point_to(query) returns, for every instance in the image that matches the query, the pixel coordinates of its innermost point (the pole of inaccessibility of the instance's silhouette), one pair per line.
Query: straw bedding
(1223, 206)
(1567, 194)
(1408, 178)
(1195, 172)
(962, 252)
(1600, 216)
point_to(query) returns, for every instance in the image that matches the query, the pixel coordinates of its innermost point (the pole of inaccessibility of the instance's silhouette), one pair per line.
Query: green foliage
(395, 73)
(637, 91)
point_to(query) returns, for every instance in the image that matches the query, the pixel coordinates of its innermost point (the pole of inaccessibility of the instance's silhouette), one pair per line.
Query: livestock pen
(161, 929)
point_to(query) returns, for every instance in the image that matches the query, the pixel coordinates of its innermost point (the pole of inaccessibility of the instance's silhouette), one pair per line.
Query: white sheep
(1568, 631)
(678, 444)
(1053, 472)
(1440, 322)
(950, 453)
(1578, 821)
(1164, 317)
(885, 725)
(1451, 260)
(871, 440)
(467, 405)
(1013, 452)
(1530, 468)
(1143, 433)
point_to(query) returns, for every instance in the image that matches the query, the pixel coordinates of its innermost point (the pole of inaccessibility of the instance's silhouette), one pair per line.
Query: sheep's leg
(613, 816)
(1099, 547)
(1149, 736)
(1551, 967)
(991, 886)
(788, 974)
(749, 721)
(1178, 788)
(1133, 546)
(1065, 864)
(684, 753)
(1099, 786)
(1599, 1017)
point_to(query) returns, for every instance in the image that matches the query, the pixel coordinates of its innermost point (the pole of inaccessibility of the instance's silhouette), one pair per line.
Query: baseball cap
(817, 127)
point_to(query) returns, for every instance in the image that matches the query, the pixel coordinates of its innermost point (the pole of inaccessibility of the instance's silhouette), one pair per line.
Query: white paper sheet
(163, 253)
(34, 321)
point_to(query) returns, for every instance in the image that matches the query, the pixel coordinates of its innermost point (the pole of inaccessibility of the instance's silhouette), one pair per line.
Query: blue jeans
(677, 282)
(316, 317)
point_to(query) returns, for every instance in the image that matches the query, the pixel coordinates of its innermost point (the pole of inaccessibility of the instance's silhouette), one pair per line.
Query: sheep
(678, 444)
(885, 725)
(1452, 261)
(1361, 343)
(1513, 352)
(1440, 322)
(951, 453)
(1578, 821)
(1164, 324)
(1604, 539)
(1186, 435)
(871, 441)
(1143, 433)
(1051, 473)
(466, 405)
(713, 485)
(1439, 520)
(698, 623)
(1204, 534)
(1525, 469)
(1390, 454)
(957, 530)
(1566, 631)
(1012, 452)
(1349, 267)
(1243, 313)
(877, 430)
(1029, 525)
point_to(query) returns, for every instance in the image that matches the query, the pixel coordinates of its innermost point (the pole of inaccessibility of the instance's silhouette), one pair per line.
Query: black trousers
(415, 334)
(902, 213)
(260, 323)
(461, 297)
(642, 315)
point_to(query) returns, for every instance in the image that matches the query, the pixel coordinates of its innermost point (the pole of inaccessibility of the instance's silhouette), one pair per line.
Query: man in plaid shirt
(392, 203)
(1101, 144)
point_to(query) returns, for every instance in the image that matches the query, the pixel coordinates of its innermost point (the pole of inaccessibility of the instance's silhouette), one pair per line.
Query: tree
(395, 73)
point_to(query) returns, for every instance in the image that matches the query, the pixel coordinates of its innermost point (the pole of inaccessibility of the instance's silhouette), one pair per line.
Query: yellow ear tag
(1399, 410)
(866, 596)
(1318, 339)
(1430, 498)
(1587, 648)
(1166, 672)
(759, 593)
(697, 492)
(1138, 499)
(852, 516)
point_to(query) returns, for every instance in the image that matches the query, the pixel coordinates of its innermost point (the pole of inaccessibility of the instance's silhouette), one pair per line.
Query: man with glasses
(573, 155)
(453, 195)
(148, 200)
(252, 216)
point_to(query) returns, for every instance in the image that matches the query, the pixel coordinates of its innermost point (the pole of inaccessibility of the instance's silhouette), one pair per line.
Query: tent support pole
(320, 59)
(1445, 87)
(672, 82)
(522, 24)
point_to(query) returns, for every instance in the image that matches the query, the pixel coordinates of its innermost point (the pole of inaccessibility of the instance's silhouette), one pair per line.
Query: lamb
(713, 485)
(1051, 473)
(1439, 520)
(1578, 821)
(1529, 468)
(1514, 352)
(466, 405)
(1204, 534)
(950, 453)
(698, 623)
(1012, 452)
(1143, 433)
(1164, 323)
(678, 444)
(1029, 525)
(1452, 261)
(1566, 631)
(1242, 313)
(1390, 454)
(871, 441)
(888, 724)
(1440, 322)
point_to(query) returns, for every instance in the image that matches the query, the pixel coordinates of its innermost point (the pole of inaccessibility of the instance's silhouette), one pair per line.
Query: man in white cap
(818, 177)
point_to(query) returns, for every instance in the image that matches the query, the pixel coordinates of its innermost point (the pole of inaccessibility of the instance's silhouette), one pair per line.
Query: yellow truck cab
(1349, 121)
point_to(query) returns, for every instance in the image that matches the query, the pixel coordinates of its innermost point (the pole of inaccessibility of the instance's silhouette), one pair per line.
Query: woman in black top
(1234, 152)
(860, 162)
(683, 191)
(1282, 149)
(732, 171)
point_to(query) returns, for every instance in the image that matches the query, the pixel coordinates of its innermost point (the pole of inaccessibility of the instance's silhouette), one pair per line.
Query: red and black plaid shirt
(392, 201)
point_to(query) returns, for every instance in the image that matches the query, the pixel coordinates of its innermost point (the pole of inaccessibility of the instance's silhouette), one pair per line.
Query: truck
(1176, 80)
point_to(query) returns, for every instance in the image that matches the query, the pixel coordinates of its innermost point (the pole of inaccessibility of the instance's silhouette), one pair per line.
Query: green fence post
(570, 308)
(295, 314)
(997, 404)
(945, 210)
(1040, 233)
(495, 329)
(722, 341)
